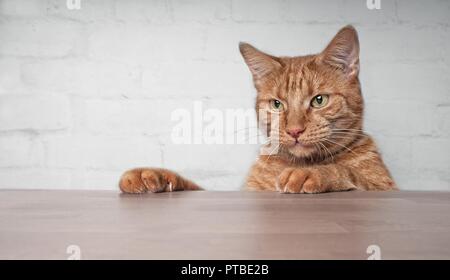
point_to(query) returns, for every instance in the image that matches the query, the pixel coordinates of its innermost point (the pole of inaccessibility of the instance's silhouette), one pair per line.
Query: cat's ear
(259, 63)
(343, 51)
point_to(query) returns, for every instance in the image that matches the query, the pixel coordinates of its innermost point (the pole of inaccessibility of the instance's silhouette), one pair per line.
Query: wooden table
(224, 225)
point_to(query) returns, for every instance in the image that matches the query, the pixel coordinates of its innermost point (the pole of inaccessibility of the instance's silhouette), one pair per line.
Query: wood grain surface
(224, 225)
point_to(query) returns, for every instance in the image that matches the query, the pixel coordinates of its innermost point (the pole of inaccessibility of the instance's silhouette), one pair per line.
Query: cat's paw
(299, 180)
(141, 180)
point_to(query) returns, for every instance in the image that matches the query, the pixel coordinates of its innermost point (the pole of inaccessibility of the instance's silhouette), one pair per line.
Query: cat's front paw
(141, 180)
(299, 180)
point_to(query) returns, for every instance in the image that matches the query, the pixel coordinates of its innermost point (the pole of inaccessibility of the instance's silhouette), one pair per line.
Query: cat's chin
(301, 150)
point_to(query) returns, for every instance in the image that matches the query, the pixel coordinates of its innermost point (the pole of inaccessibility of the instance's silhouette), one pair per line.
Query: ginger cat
(322, 147)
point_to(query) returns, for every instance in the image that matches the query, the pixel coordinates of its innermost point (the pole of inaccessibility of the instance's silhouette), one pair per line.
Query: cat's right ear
(259, 63)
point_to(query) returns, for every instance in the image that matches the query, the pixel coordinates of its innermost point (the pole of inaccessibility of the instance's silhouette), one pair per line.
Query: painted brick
(39, 37)
(34, 112)
(20, 151)
(34, 178)
(97, 152)
(81, 77)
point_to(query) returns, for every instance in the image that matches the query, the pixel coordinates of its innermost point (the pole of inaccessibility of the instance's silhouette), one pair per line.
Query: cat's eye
(276, 105)
(319, 101)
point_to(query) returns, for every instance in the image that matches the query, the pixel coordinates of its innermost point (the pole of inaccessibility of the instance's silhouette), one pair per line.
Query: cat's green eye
(276, 105)
(319, 101)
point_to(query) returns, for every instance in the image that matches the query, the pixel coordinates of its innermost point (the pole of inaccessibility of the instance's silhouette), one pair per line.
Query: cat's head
(316, 97)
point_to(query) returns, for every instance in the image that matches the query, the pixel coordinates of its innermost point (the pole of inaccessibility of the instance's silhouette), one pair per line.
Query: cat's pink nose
(295, 132)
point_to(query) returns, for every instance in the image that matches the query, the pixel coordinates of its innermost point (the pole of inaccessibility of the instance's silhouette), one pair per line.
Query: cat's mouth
(298, 144)
(300, 149)
(302, 144)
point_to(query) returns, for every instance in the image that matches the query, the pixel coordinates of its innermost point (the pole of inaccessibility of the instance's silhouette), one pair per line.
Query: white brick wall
(86, 94)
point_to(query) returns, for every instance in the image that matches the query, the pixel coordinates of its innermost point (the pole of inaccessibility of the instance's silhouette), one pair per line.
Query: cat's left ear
(343, 51)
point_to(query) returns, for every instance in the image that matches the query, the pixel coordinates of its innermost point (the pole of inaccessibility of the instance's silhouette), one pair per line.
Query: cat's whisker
(310, 157)
(252, 137)
(319, 149)
(349, 137)
(273, 150)
(266, 142)
(343, 146)
(247, 133)
(347, 129)
(245, 128)
(319, 146)
(326, 149)
(348, 133)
